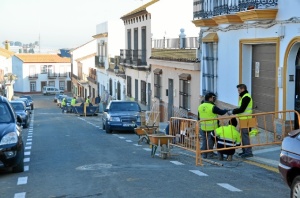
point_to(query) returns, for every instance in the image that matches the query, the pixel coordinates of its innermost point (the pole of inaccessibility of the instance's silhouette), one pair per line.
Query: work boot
(220, 156)
(229, 157)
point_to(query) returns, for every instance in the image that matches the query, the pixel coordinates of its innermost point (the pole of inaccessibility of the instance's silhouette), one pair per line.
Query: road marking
(22, 180)
(26, 159)
(27, 153)
(197, 172)
(147, 149)
(26, 168)
(20, 195)
(263, 166)
(176, 163)
(229, 187)
(29, 140)
(128, 140)
(28, 143)
(137, 145)
(29, 133)
(121, 137)
(27, 147)
(29, 136)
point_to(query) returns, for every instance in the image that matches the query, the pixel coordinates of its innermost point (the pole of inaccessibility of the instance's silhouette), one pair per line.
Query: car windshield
(24, 99)
(17, 106)
(5, 114)
(124, 106)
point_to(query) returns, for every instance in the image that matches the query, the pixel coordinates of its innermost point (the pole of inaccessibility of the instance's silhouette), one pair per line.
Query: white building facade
(255, 43)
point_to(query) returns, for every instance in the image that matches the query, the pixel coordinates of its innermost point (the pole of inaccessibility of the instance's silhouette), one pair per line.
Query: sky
(58, 23)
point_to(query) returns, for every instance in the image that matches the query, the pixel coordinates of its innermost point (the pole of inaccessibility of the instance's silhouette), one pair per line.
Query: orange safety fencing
(264, 129)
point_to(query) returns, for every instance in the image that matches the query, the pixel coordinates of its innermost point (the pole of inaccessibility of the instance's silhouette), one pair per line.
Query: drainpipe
(215, 48)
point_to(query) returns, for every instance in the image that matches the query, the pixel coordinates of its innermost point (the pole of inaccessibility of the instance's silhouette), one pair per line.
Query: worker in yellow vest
(63, 104)
(227, 136)
(73, 102)
(208, 111)
(243, 111)
(88, 101)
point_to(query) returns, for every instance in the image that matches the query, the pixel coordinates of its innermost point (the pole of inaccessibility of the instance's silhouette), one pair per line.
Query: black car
(29, 99)
(121, 116)
(11, 143)
(26, 101)
(21, 110)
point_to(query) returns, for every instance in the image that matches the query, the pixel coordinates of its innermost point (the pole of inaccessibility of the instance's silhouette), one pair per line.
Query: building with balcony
(84, 76)
(34, 71)
(155, 59)
(109, 42)
(254, 42)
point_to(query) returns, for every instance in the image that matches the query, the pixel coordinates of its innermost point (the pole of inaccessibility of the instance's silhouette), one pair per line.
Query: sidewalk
(267, 156)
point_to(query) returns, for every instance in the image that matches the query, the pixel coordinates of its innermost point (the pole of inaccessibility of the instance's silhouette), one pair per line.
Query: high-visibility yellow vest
(73, 101)
(205, 112)
(63, 102)
(228, 135)
(248, 110)
(87, 101)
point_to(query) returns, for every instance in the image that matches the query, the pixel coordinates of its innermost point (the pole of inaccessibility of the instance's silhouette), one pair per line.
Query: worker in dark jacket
(243, 111)
(208, 111)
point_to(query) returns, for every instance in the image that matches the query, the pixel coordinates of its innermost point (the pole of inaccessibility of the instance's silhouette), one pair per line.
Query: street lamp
(118, 72)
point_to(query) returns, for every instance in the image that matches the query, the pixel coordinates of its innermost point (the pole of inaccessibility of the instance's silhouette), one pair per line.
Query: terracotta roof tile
(6, 53)
(43, 58)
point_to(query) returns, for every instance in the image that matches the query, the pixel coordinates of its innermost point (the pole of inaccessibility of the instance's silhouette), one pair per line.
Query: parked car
(59, 99)
(20, 109)
(49, 90)
(121, 116)
(29, 99)
(11, 143)
(56, 97)
(289, 165)
(26, 101)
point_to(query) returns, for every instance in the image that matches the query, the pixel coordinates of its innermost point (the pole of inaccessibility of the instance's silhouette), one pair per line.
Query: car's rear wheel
(295, 188)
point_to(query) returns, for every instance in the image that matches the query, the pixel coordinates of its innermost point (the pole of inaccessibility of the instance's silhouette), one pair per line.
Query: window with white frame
(32, 86)
(62, 85)
(44, 69)
(185, 94)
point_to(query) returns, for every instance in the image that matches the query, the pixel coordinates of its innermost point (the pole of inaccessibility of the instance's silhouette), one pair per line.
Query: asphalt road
(69, 156)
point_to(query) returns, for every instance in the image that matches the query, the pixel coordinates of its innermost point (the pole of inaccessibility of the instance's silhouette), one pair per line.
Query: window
(62, 85)
(184, 94)
(32, 86)
(110, 87)
(32, 72)
(51, 83)
(129, 86)
(143, 92)
(210, 51)
(43, 69)
(157, 85)
(47, 69)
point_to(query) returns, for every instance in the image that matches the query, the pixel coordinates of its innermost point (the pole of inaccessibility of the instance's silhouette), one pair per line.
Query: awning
(210, 38)
(185, 76)
(157, 71)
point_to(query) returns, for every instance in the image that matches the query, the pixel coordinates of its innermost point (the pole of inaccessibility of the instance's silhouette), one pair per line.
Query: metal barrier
(263, 128)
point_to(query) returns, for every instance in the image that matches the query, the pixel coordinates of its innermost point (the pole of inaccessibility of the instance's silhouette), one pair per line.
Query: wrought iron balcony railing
(33, 76)
(133, 57)
(203, 9)
(52, 75)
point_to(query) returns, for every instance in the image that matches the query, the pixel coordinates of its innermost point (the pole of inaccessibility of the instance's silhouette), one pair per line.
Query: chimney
(7, 45)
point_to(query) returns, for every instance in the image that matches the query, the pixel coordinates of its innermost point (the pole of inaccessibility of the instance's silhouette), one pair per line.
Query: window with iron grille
(157, 86)
(129, 86)
(184, 94)
(143, 92)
